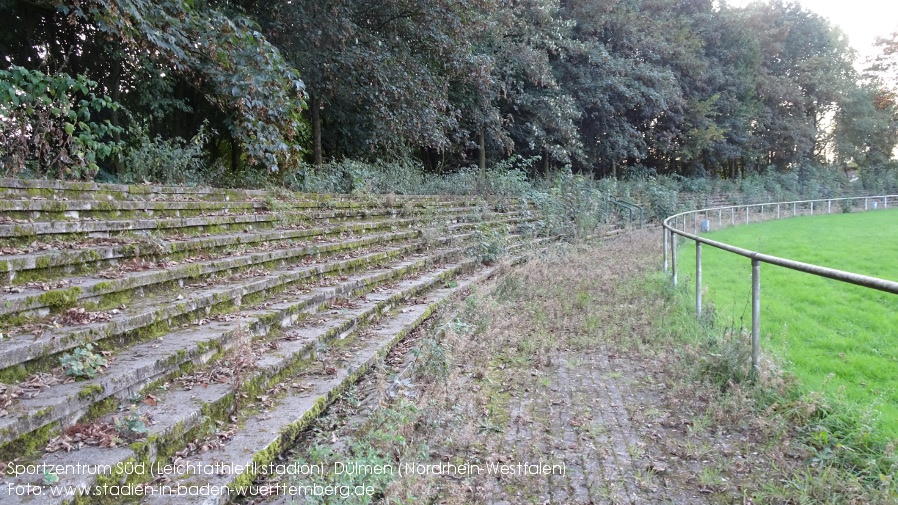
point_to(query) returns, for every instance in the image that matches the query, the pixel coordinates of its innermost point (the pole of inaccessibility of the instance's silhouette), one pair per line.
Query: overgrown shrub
(358, 177)
(173, 161)
(727, 360)
(662, 197)
(405, 176)
(489, 243)
(571, 205)
(49, 126)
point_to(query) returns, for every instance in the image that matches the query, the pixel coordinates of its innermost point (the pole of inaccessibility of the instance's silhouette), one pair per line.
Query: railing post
(885, 202)
(673, 256)
(794, 209)
(719, 218)
(746, 214)
(732, 216)
(664, 239)
(695, 223)
(755, 314)
(762, 212)
(777, 211)
(829, 206)
(812, 207)
(865, 203)
(698, 279)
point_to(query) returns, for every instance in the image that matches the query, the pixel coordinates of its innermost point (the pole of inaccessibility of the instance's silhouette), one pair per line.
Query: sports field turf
(835, 337)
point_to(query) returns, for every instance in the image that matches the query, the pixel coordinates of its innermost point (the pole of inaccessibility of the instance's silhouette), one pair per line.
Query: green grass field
(836, 338)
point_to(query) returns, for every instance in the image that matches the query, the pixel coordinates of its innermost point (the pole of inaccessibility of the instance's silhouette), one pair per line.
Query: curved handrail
(671, 231)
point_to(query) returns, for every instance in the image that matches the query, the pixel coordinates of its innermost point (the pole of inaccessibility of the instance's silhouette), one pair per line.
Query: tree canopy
(605, 87)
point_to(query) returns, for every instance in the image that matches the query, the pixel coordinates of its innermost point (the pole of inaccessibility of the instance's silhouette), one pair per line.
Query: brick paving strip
(579, 421)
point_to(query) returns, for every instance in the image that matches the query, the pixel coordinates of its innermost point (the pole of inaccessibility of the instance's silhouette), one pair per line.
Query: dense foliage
(47, 125)
(611, 87)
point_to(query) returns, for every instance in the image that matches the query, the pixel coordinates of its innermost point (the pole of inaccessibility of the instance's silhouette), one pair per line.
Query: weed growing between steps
(586, 358)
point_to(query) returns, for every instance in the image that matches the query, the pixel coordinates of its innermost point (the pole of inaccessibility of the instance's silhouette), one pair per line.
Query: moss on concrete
(60, 299)
(28, 446)
(88, 391)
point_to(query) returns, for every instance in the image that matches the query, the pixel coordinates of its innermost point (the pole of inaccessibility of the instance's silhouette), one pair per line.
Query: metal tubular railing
(630, 208)
(676, 225)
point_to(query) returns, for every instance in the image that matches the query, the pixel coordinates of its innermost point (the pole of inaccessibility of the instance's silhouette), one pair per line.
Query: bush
(571, 205)
(405, 176)
(662, 198)
(48, 126)
(173, 161)
(489, 243)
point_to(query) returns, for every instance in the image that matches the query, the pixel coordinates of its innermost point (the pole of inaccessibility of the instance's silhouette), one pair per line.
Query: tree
(867, 130)
(48, 125)
(885, 64)
(378, 73)
(806, 65)
(164, 58)
(223, 57)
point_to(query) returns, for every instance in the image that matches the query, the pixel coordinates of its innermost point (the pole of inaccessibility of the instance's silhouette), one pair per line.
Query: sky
(861, 20)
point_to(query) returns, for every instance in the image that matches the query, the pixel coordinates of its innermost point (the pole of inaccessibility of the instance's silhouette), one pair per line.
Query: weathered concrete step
(37, 300)
(36, 188)
(44, 210)
(180, 412)
(24, 353)
(87, 290)
(272, 430)
(150, 361)
(82, 258)
(22, 211)
(25, 232)
(153, 310)
(33, 229)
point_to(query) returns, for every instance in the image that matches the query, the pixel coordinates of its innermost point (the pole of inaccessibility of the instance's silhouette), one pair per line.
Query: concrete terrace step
(178, 284)
(60, 190)
(104, 227)
(45, 210)
(54, 189)
(86, 290)
(26, 233)
(24, 354)
(48, 261)
(272, 430)
(88, 256)
(21, 211)
(182, 413)
(166, 310)
(105, 292)
(141, 364)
